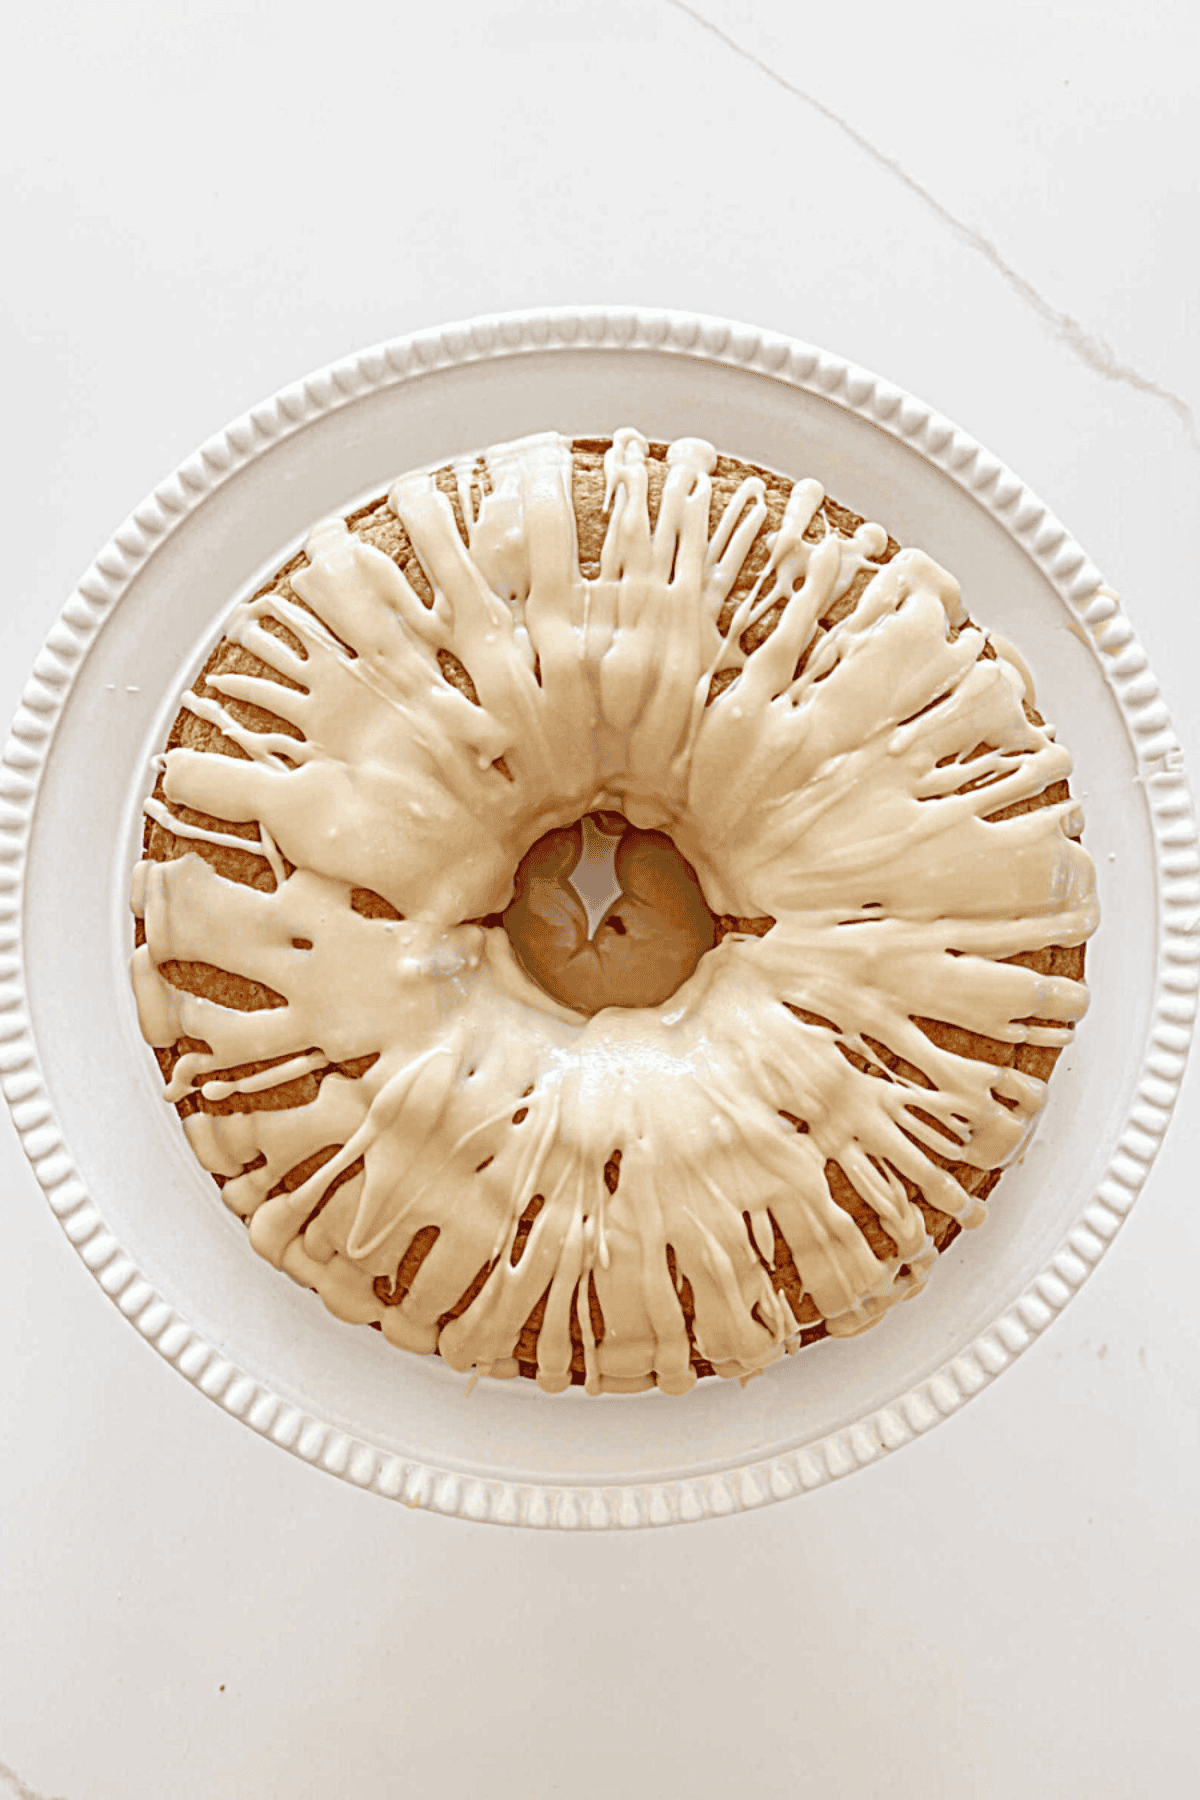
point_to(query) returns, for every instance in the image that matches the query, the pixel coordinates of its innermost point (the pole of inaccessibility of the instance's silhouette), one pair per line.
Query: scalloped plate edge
(1160, 763)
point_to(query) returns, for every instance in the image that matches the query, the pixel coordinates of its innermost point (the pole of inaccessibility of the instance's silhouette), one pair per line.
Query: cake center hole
(603, 914)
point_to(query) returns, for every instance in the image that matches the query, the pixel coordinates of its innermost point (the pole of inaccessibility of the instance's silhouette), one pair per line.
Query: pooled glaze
(831, 786)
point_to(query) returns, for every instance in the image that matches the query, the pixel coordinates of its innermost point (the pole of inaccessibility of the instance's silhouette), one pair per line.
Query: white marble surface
(998, 211)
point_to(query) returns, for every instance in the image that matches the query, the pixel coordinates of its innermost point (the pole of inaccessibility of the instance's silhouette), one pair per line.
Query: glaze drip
(832, 778)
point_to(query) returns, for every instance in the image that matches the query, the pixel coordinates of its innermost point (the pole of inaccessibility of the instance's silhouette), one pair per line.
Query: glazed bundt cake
(608, 915)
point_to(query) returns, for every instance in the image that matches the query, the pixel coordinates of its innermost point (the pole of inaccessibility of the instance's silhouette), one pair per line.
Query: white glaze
(815, 799)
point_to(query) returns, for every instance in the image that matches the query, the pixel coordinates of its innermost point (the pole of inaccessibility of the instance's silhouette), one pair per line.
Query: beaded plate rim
(1177, 869)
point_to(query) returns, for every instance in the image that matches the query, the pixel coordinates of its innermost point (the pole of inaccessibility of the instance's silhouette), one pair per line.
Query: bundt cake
(608, 915)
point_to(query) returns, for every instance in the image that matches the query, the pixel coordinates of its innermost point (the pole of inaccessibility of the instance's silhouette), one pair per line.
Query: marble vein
(1088, 346)
(13, 1788)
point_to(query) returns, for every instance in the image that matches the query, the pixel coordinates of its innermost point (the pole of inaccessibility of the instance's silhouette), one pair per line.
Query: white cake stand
(86, 1095)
